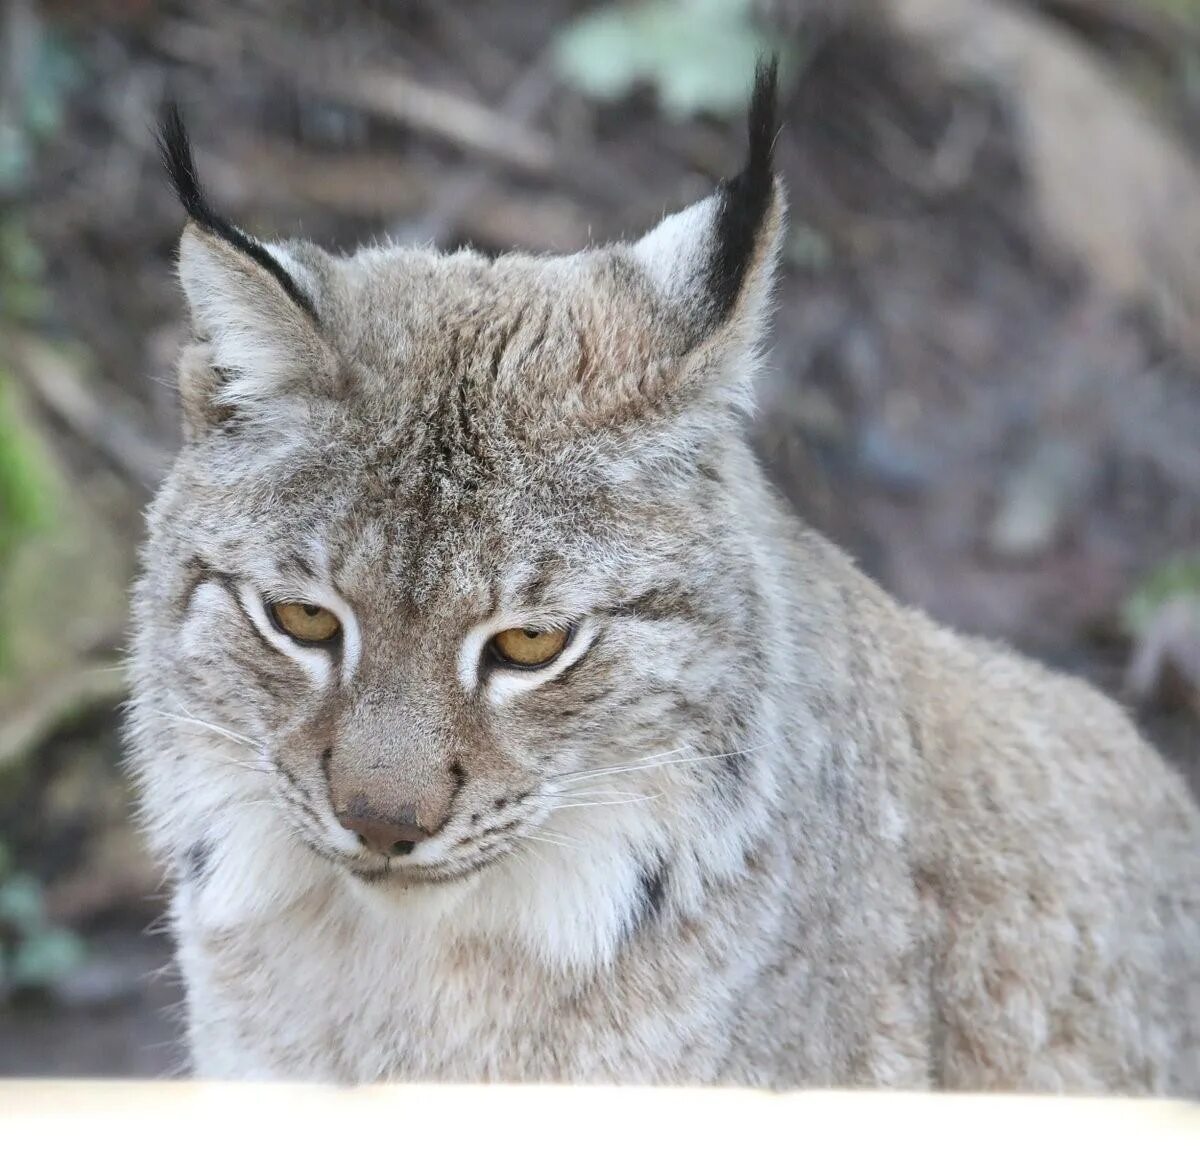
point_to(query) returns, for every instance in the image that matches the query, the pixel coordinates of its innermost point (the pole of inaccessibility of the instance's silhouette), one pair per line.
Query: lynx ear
(252, 306)
(713, 263)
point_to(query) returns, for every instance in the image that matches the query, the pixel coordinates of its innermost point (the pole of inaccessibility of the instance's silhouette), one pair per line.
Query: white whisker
(675, 763)
(556, 839)
(236, 736)
(648, 760)
(608, 803)
(578, 793)
(245, 765)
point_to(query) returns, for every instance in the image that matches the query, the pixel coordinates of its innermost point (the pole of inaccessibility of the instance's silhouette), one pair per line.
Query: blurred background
(985, 379)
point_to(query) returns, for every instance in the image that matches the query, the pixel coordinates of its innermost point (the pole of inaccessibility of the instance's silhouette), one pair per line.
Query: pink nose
(392, 838)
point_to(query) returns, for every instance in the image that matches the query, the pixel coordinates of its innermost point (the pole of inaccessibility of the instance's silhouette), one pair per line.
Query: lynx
(494, 720)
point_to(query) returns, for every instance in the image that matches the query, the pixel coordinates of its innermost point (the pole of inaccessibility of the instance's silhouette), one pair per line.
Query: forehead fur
(480, 418)
(529, 344)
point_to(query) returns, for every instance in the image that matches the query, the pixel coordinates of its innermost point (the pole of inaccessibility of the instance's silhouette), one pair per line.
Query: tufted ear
(713, 263)
(253, 309)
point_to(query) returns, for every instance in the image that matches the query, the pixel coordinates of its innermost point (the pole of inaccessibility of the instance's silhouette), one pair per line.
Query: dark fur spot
(176, 151)
(466, 430)
(732, 778)
(507, 827)
(197, 860)
(914, 734)
(497, 356)
(658, 604)
(490, 831)
(458, 774)
(297, 796)
(533, 593)
(198, 572)
(651, 895)
(583, 365)
(278, 687)
(302, 566)
(539, 338)
(506, 340)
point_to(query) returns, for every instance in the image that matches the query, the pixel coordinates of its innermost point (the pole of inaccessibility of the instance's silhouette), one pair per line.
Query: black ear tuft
(745, 198)
(176, 150)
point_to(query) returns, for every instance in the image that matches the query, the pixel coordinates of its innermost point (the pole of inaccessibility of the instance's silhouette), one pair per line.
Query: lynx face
(449, 535)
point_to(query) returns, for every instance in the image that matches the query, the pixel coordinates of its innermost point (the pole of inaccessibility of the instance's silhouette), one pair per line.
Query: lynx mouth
(404, 876)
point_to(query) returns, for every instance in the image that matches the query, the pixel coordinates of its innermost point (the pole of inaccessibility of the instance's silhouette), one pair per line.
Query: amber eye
(305, 622)
(530, 648)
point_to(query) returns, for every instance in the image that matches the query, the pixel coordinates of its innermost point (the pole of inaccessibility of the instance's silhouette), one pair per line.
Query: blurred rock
(1165, 666)
(1036, 500)
(889, 461)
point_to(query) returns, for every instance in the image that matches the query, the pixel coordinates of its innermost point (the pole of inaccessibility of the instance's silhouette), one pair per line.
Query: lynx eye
(529, 648)
(305, 622)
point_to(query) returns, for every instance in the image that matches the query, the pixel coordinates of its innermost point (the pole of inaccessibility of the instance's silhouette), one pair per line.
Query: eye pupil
(531, 633)
(311, 610)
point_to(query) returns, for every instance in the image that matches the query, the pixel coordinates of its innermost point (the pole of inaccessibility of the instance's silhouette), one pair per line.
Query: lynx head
(450, 535)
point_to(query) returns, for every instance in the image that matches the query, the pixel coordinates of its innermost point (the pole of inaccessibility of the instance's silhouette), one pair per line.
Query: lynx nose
(393, 838)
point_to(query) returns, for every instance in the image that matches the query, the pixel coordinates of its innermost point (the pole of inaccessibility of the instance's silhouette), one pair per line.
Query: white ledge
(179, 1127)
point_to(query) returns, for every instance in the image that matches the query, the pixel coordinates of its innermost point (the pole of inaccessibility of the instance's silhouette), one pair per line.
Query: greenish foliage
(25, 496)
(1185, 9)
(699, 55)
(24, 492)
(34, 953)
(36, 115)
(1176, 579)
(22, 289)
